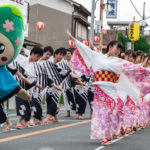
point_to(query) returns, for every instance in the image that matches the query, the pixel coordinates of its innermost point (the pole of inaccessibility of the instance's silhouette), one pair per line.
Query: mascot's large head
(11, 33)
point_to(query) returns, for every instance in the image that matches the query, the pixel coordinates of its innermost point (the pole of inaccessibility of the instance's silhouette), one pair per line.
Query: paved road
(68, 134)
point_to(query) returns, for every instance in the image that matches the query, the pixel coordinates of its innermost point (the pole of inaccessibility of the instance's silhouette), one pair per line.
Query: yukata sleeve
(83, 58)
(49, 81)
(46, 70)
(20, 59)
(86, 53)
(126, 88)
(138, 76)
(63, 72)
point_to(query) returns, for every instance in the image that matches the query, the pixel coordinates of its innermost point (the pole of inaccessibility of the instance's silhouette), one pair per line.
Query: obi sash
(108, 76)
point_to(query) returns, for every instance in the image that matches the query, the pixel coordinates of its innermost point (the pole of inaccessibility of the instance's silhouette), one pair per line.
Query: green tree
(141, 44)
(123, 39)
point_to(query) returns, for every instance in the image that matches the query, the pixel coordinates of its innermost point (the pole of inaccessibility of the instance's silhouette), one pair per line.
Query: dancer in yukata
(107, 69)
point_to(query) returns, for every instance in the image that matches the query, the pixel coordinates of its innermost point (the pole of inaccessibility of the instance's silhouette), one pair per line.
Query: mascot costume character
(11, 41)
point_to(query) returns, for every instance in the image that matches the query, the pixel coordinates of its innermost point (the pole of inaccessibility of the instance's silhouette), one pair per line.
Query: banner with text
(112, 9)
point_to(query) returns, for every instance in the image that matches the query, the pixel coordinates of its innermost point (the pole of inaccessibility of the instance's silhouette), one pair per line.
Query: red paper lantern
(70, 43)
(40, 25)
(96, 38)
(104, 32)
(85, 42)
(122, 54)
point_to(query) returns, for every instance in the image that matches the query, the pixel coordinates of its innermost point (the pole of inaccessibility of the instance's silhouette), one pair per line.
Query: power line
(136, 9)
(144, 19)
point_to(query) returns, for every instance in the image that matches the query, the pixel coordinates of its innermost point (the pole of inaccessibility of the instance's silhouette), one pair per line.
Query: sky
(125, 10)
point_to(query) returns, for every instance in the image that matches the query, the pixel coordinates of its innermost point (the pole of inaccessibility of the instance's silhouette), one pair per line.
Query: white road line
(101, 147)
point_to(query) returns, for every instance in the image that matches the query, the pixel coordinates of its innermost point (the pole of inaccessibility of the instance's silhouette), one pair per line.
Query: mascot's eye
(2, 48)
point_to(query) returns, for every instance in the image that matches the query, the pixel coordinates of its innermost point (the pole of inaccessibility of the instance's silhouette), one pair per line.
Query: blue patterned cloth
(7, 82)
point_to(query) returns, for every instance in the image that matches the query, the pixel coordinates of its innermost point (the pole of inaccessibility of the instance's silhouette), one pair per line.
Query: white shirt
(27, 66)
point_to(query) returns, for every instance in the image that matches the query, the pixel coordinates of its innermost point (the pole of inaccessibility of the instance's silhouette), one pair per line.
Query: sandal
(109, 139)
(45, 122)
(115, 136)
(80, 117)
(52, 121)
(39, 122)
(76, 116)
(26, 125)
(32, 124)
(143, 127)
(123, 132)
(19, 126)
(105, 143)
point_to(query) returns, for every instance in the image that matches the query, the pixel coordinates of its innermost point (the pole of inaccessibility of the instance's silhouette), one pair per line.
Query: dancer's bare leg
(8, 125)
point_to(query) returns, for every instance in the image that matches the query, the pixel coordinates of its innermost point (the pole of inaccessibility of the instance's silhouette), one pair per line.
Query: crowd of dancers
(121, 89)
(47, 74)
(117, 89)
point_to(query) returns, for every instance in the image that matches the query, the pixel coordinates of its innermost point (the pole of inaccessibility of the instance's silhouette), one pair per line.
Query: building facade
(57, 16)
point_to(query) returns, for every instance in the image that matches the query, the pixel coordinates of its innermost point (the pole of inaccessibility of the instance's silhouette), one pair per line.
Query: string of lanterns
(40, 26)
(71, 43)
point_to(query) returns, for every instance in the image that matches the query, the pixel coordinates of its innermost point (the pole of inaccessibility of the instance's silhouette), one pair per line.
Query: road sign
(97, 27)
(112, 11)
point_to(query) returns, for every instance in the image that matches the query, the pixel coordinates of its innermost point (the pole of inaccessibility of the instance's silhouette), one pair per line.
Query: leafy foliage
(142, 44)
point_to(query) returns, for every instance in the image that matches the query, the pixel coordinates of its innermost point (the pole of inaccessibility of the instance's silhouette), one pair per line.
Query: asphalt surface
(68, 134)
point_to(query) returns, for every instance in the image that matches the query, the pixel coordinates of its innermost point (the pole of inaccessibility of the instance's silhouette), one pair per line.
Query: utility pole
(143, 18)
(102, 6)
(92, 20)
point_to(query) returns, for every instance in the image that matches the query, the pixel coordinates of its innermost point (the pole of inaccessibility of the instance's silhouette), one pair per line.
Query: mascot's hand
(23, 94)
